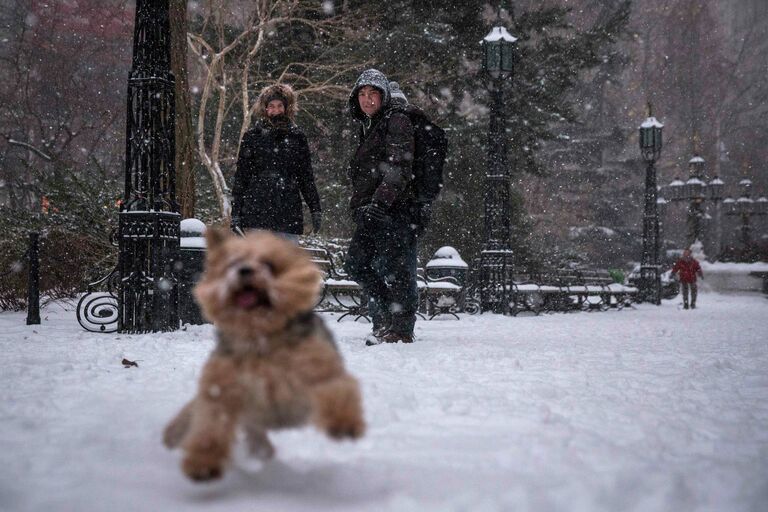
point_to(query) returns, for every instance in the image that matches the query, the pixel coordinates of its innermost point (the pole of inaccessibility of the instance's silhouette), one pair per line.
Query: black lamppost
(496, 257)
(650, 148)
(661, 208)
(148, 232)
(746, 208)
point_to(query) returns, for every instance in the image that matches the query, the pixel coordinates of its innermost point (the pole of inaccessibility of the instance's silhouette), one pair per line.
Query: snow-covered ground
(649, 409)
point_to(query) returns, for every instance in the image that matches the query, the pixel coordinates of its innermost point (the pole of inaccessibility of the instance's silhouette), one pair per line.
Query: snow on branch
(30, 147)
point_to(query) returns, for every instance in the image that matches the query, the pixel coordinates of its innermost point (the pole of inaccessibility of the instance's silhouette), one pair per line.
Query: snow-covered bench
(440, 295)
(339, 293)
(437, 296)
(566, 290)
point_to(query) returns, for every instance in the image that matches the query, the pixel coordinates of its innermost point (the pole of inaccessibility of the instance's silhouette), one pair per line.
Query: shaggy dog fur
(275, 364)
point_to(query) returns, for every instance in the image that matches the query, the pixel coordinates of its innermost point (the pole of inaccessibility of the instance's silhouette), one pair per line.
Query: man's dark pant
(382, 259)
(693, 289)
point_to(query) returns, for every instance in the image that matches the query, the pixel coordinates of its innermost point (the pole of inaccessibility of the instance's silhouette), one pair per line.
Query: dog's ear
(215, 236)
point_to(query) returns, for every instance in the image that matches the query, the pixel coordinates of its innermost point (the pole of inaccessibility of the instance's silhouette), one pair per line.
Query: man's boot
(381, 320)
(396, 337)
(401, 330)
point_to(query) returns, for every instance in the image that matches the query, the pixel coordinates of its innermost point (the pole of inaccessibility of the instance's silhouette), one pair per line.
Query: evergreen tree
(432, 48)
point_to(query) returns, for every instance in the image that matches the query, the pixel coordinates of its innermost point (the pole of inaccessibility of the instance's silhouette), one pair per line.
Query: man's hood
(374, 78)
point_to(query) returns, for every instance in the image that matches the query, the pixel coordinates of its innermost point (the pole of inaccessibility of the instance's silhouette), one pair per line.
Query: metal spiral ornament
(97, 312)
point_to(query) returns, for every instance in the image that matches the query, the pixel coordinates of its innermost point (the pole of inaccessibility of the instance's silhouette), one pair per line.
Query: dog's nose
(245, 271)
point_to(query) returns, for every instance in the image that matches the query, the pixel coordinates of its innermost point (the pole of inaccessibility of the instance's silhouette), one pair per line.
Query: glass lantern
(745, 205)
(761, 206)
(715, 188)
(650, 139)
(694, 189)
(696, 167)
(499, 53)
(729, 206)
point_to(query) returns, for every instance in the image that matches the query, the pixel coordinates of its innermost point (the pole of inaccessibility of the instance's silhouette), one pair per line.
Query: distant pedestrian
(688, 268)
(274, 169)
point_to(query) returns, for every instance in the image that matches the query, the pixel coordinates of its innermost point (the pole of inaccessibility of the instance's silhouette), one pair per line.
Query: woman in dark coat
(274, 169)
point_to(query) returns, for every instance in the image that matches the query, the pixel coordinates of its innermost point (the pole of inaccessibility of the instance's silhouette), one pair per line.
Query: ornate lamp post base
(496, 268)
(149, 244)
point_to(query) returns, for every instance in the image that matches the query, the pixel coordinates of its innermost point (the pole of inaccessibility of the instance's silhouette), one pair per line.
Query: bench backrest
(596, 277)
(322, 259)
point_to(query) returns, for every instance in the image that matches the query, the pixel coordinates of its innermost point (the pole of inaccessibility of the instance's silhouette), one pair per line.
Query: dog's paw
(205, 460)
(264, 452)
(173, 434)
(346, 429)
(260, 447)
(201, 470)
(176, 430)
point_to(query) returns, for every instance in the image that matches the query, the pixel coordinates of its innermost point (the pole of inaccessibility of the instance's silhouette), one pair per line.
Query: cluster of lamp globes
(696, 189)
(499, 55)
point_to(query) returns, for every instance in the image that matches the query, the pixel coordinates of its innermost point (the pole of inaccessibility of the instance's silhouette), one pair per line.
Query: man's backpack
(431, 149)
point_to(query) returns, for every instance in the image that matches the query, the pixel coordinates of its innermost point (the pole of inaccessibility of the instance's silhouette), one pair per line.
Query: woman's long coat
(274, 172)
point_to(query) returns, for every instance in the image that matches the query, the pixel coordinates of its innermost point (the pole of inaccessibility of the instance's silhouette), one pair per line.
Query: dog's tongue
(247, 299)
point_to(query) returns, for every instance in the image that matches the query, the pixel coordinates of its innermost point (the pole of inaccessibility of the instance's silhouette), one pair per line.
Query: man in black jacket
(274, 169)
(382, 253)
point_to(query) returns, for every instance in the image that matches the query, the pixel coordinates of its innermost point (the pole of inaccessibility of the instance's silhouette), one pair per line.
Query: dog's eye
(234, 262)
(270, 266)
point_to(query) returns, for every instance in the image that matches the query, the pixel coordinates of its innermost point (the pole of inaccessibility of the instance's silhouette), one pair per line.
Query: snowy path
(647, 409)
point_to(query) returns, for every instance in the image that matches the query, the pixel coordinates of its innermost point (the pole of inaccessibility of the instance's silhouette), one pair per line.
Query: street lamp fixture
(695, 186)
(762, 206)
(650, 138)
(696, 191)
(499, 53)
(496, 258)
(675, 189)
(715, 188)
(650, 149)
(746, 208)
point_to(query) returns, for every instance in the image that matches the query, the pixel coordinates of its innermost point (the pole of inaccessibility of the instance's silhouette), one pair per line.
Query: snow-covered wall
(734, 277)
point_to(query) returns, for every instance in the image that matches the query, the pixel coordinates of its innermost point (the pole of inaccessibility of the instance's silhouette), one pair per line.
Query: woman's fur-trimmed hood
(277, 91)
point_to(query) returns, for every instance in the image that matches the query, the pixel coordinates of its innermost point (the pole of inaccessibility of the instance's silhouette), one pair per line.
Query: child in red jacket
(688, 268)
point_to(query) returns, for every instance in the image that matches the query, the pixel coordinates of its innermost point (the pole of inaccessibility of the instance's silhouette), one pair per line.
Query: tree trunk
(185, 150)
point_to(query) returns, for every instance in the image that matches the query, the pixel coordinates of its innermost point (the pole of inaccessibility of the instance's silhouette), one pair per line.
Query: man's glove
(374, 212)
(317, 222)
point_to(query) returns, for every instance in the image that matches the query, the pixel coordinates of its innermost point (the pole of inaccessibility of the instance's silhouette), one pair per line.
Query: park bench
(527, 294)
(565, 290)
(589, 292)
(597, 290)
(547, 290)
(339, 292)
(439, 295)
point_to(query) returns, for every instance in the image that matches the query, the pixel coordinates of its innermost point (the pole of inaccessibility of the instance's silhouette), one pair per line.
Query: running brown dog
(275, 364)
